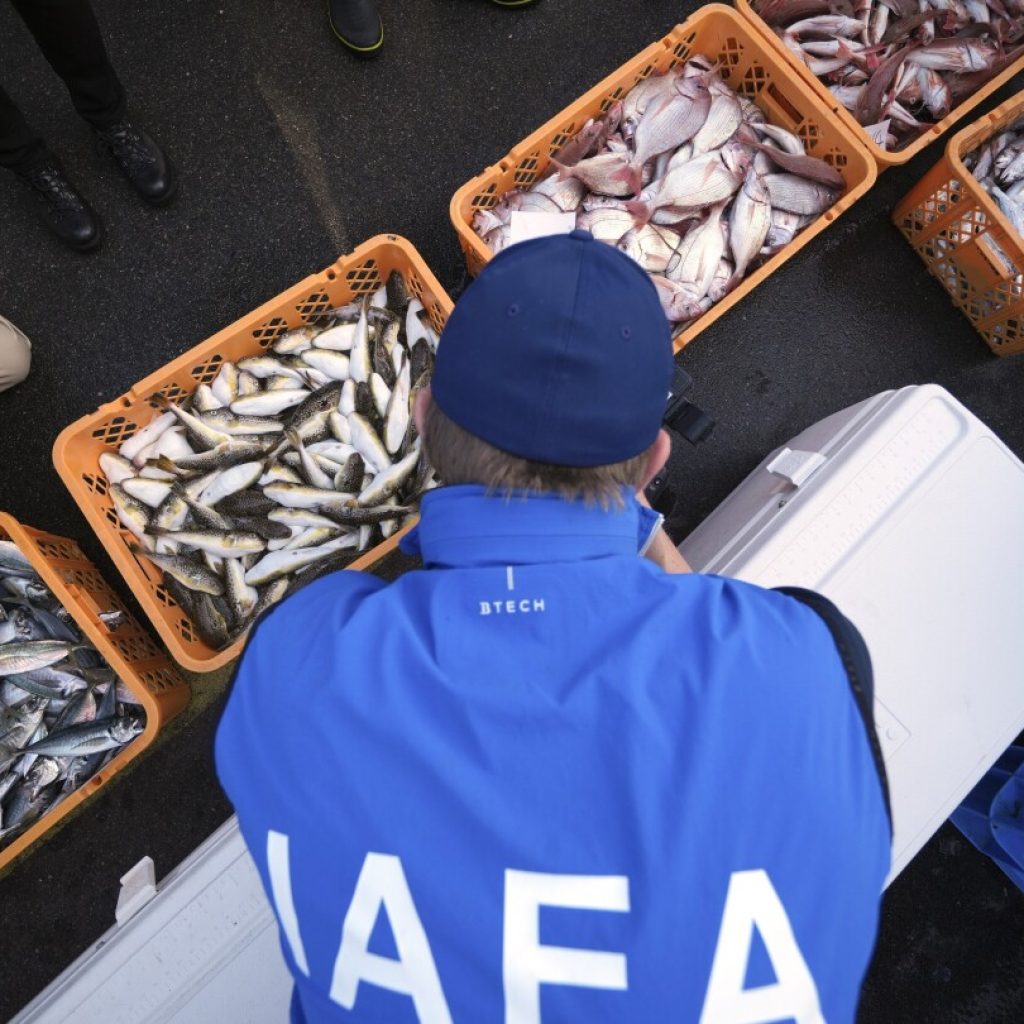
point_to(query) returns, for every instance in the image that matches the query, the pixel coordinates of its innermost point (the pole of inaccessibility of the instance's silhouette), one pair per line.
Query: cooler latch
(796, 466)
(138, 887)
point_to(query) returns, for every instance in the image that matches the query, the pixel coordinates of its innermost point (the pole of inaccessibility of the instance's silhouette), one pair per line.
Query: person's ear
(657, 456)
(419, 409)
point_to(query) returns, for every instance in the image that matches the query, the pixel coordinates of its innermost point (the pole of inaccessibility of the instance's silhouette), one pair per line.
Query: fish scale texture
(292, 156)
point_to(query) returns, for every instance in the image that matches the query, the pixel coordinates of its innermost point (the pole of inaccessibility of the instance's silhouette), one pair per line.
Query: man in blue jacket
(545, 778)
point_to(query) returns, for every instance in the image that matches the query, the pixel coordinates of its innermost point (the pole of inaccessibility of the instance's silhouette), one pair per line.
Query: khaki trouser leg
(15, 356)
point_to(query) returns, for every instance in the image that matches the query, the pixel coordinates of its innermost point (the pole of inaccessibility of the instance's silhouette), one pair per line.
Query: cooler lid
(913, 524)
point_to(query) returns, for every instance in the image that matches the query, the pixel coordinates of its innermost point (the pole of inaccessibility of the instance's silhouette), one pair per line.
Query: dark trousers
(69, 38)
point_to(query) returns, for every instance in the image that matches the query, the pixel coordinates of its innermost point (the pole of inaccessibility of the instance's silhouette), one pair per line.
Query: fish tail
(164, 463)
(564, 170)
(165, 403)
(844, 51)
(632, 174)
(640, 212)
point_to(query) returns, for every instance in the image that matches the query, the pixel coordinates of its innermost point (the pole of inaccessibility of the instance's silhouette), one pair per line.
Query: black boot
(62, 208)
(357, 24)
(140, 160)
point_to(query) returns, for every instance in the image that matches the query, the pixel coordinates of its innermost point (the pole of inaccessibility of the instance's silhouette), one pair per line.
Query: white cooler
(904, 510)
(908, 513)
(203, 949)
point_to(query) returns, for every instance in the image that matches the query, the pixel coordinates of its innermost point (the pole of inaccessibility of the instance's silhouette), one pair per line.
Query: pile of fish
(284, 466)
(63, 712)
(999, 167)
(688, 178)
(899, 65)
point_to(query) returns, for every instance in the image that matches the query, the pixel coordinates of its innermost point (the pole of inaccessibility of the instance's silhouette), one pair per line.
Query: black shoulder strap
(853, 653)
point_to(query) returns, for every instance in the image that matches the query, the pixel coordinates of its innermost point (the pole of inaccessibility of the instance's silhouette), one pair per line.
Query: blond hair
(459, 457)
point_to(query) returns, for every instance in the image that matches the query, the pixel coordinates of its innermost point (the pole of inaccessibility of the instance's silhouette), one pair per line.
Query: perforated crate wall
(127, 648)
(77, 450)
(966, 241)
(750, 66)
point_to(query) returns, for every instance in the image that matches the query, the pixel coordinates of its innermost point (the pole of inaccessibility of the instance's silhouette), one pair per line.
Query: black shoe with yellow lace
(357, 24)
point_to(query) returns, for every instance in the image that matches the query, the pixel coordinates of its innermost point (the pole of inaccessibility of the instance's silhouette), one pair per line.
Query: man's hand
(661, 551)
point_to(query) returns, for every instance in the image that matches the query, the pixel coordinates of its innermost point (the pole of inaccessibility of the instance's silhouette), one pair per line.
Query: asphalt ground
(291, 153)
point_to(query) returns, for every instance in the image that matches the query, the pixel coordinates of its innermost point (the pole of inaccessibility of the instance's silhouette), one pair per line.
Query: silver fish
(150, 492)
(798, 195)
(566, 194)
(368, 444)
(359, 356)
(396, 412)
(48, 682)
(225, 385)
(723, 118)
(387, 483)
(331, 363)
(116, 468)
(653, 247)
(279, 433)
(699, 254)
(749, 222)
(283, 563)
(668, 123)
(189, 572)
(608, 173)
(316, 476)
(701, 182)
(606, 225)
(27, 656)
(146, 436)
(235, 425)
(89, 737)
(222, 545)
(268, 403)
(230, 481)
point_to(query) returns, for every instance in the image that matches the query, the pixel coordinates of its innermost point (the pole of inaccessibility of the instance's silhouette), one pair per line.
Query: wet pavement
(292, 152)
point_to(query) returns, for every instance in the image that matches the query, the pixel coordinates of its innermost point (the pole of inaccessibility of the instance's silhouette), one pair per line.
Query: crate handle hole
(776, 94)
(331, 275)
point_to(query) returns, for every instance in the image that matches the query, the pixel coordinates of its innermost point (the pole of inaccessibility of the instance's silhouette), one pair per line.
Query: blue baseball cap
(558, 352)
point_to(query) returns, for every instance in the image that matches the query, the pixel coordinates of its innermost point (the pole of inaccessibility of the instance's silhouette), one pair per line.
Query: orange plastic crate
(882, 157)
(751, 67)
(966, 241)
(129, 651)
(77, 450)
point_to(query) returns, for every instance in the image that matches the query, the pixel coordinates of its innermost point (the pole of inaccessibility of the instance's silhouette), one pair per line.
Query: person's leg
(57, 202)
(21, 149)
(69, 38)
(15, 355)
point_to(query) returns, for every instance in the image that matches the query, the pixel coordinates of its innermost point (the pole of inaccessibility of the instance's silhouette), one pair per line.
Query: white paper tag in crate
(524, 226)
